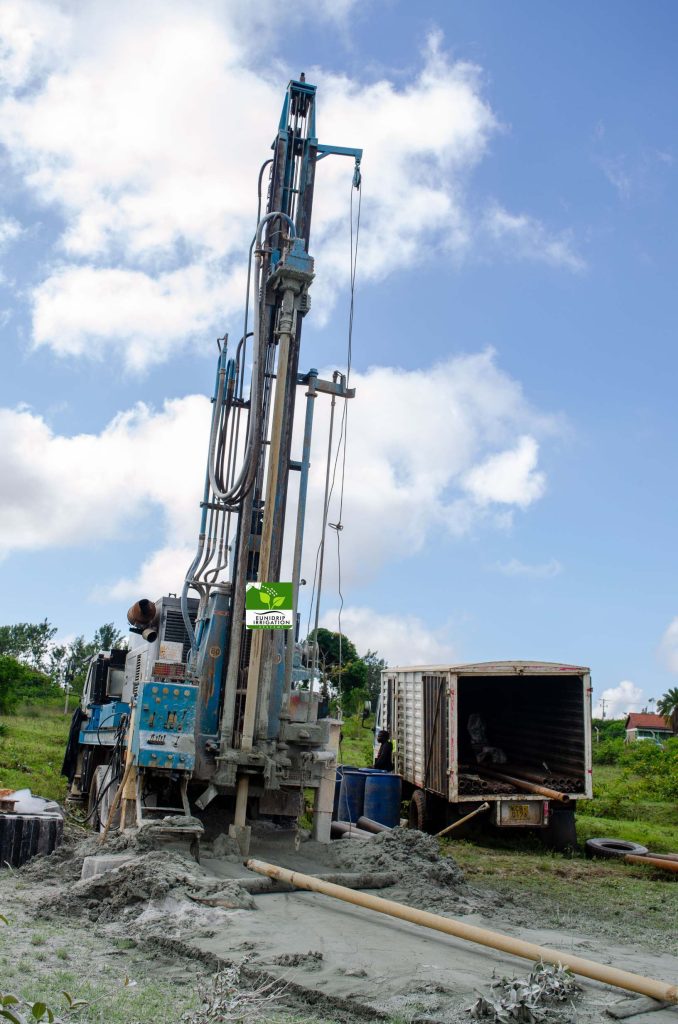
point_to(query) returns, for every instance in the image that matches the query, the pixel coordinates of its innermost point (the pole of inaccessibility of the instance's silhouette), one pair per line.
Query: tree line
(34, 667)
(346, 676)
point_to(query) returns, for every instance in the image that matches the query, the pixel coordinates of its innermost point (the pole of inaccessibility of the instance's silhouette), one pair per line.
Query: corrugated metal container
(537, 713)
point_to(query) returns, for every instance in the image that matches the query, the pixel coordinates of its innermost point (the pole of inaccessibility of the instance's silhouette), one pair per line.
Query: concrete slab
(99, 865)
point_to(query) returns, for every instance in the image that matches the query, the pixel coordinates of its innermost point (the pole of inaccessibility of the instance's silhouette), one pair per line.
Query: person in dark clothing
(384, 758)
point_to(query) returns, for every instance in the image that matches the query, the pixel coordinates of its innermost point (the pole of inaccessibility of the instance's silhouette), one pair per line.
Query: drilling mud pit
(345, 962)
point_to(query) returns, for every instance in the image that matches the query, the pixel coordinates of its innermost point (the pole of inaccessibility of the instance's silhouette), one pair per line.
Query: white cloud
(162, 573)
(74, 491)
(144, 126)
(399, 639)
(31, 36)
(619, 700)
(509, 477)
(616, 172)
(9, 230)
(540, 570)
(668, 647)
(525, 236)
(146, 318)
(414, 439)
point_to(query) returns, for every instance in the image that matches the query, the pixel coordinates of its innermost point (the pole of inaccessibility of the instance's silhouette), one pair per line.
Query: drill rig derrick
(259, 749)
(199, 700)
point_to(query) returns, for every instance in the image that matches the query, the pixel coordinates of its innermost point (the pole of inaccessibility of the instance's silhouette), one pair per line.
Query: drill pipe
(529, 787)
(369, 825)
(660, 990)
(343, 828)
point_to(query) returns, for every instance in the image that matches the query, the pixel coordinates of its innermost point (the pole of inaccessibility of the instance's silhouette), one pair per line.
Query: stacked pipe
(347, 830)
(525, 785)
(565, 783)
(471, 784)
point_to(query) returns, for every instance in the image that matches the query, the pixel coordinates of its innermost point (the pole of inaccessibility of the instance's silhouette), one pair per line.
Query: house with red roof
(641, 725)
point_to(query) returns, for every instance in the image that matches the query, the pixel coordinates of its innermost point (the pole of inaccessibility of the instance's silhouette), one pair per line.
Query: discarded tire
(23, 836)
(613, 848)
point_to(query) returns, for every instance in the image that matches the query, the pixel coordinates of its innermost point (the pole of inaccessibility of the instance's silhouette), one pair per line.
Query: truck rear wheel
(561, 832)
(418, 813)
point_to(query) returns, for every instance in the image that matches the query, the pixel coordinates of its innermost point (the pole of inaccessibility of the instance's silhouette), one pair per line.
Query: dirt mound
(425, 878)
(150, 877)
(65, 864)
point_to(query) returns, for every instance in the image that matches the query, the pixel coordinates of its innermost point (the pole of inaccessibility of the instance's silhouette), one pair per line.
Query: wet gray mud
(336, 961)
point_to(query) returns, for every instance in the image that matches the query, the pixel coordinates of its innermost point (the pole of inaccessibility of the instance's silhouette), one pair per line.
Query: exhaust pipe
(143, 618)
(142, 613)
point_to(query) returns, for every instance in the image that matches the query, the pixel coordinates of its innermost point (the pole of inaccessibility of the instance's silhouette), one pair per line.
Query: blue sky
(511, 487)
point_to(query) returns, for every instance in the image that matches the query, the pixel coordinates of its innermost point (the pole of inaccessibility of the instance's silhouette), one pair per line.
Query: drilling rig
(206, 705)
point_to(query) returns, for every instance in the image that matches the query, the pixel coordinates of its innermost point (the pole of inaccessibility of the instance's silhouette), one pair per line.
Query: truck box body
(537, 713)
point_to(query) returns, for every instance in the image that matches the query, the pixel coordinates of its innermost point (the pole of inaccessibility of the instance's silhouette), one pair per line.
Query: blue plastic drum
(351, 795)
(341, 768)
(381, 800)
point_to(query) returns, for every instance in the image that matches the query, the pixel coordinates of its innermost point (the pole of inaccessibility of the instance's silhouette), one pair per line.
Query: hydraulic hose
(242, 484)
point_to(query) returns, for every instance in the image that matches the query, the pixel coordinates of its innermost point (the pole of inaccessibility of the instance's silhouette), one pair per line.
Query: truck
(204, 708)
(508, 740)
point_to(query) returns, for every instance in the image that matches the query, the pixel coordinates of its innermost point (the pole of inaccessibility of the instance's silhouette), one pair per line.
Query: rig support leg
(239, 830)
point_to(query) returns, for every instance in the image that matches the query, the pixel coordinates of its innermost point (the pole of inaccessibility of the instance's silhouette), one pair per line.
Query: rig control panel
(164, 725)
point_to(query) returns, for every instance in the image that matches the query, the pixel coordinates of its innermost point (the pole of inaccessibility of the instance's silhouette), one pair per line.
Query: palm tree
(668, 703)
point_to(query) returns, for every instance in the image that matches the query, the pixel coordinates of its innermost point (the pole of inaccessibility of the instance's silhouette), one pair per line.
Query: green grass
(357, 745)
(32, 748)
(621, 809)
(657, 838)
(600, 897)
(118, 988)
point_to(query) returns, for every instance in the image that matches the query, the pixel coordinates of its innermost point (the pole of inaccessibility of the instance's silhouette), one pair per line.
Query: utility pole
(603, 704)
(68, 686)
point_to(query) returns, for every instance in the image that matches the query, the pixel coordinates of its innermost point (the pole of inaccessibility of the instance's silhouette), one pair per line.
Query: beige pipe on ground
(467, 817)
(495, 940)
(656, 862)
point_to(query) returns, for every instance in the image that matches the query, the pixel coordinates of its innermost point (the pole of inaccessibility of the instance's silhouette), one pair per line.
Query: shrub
(608, 751)
(609, 728)
(18, 683)
(656, 765)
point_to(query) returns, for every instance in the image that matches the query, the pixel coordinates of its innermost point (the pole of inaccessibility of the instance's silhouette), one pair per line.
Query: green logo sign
(268, 606)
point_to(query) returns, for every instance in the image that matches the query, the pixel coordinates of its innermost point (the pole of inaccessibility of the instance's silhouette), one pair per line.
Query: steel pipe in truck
(463, 734)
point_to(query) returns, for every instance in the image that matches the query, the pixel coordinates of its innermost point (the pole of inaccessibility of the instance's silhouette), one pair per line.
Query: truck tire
(561, 833)
(418, 812)
(613, 848)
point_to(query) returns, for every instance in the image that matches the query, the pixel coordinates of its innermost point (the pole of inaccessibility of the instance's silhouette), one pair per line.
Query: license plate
(528, 813)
